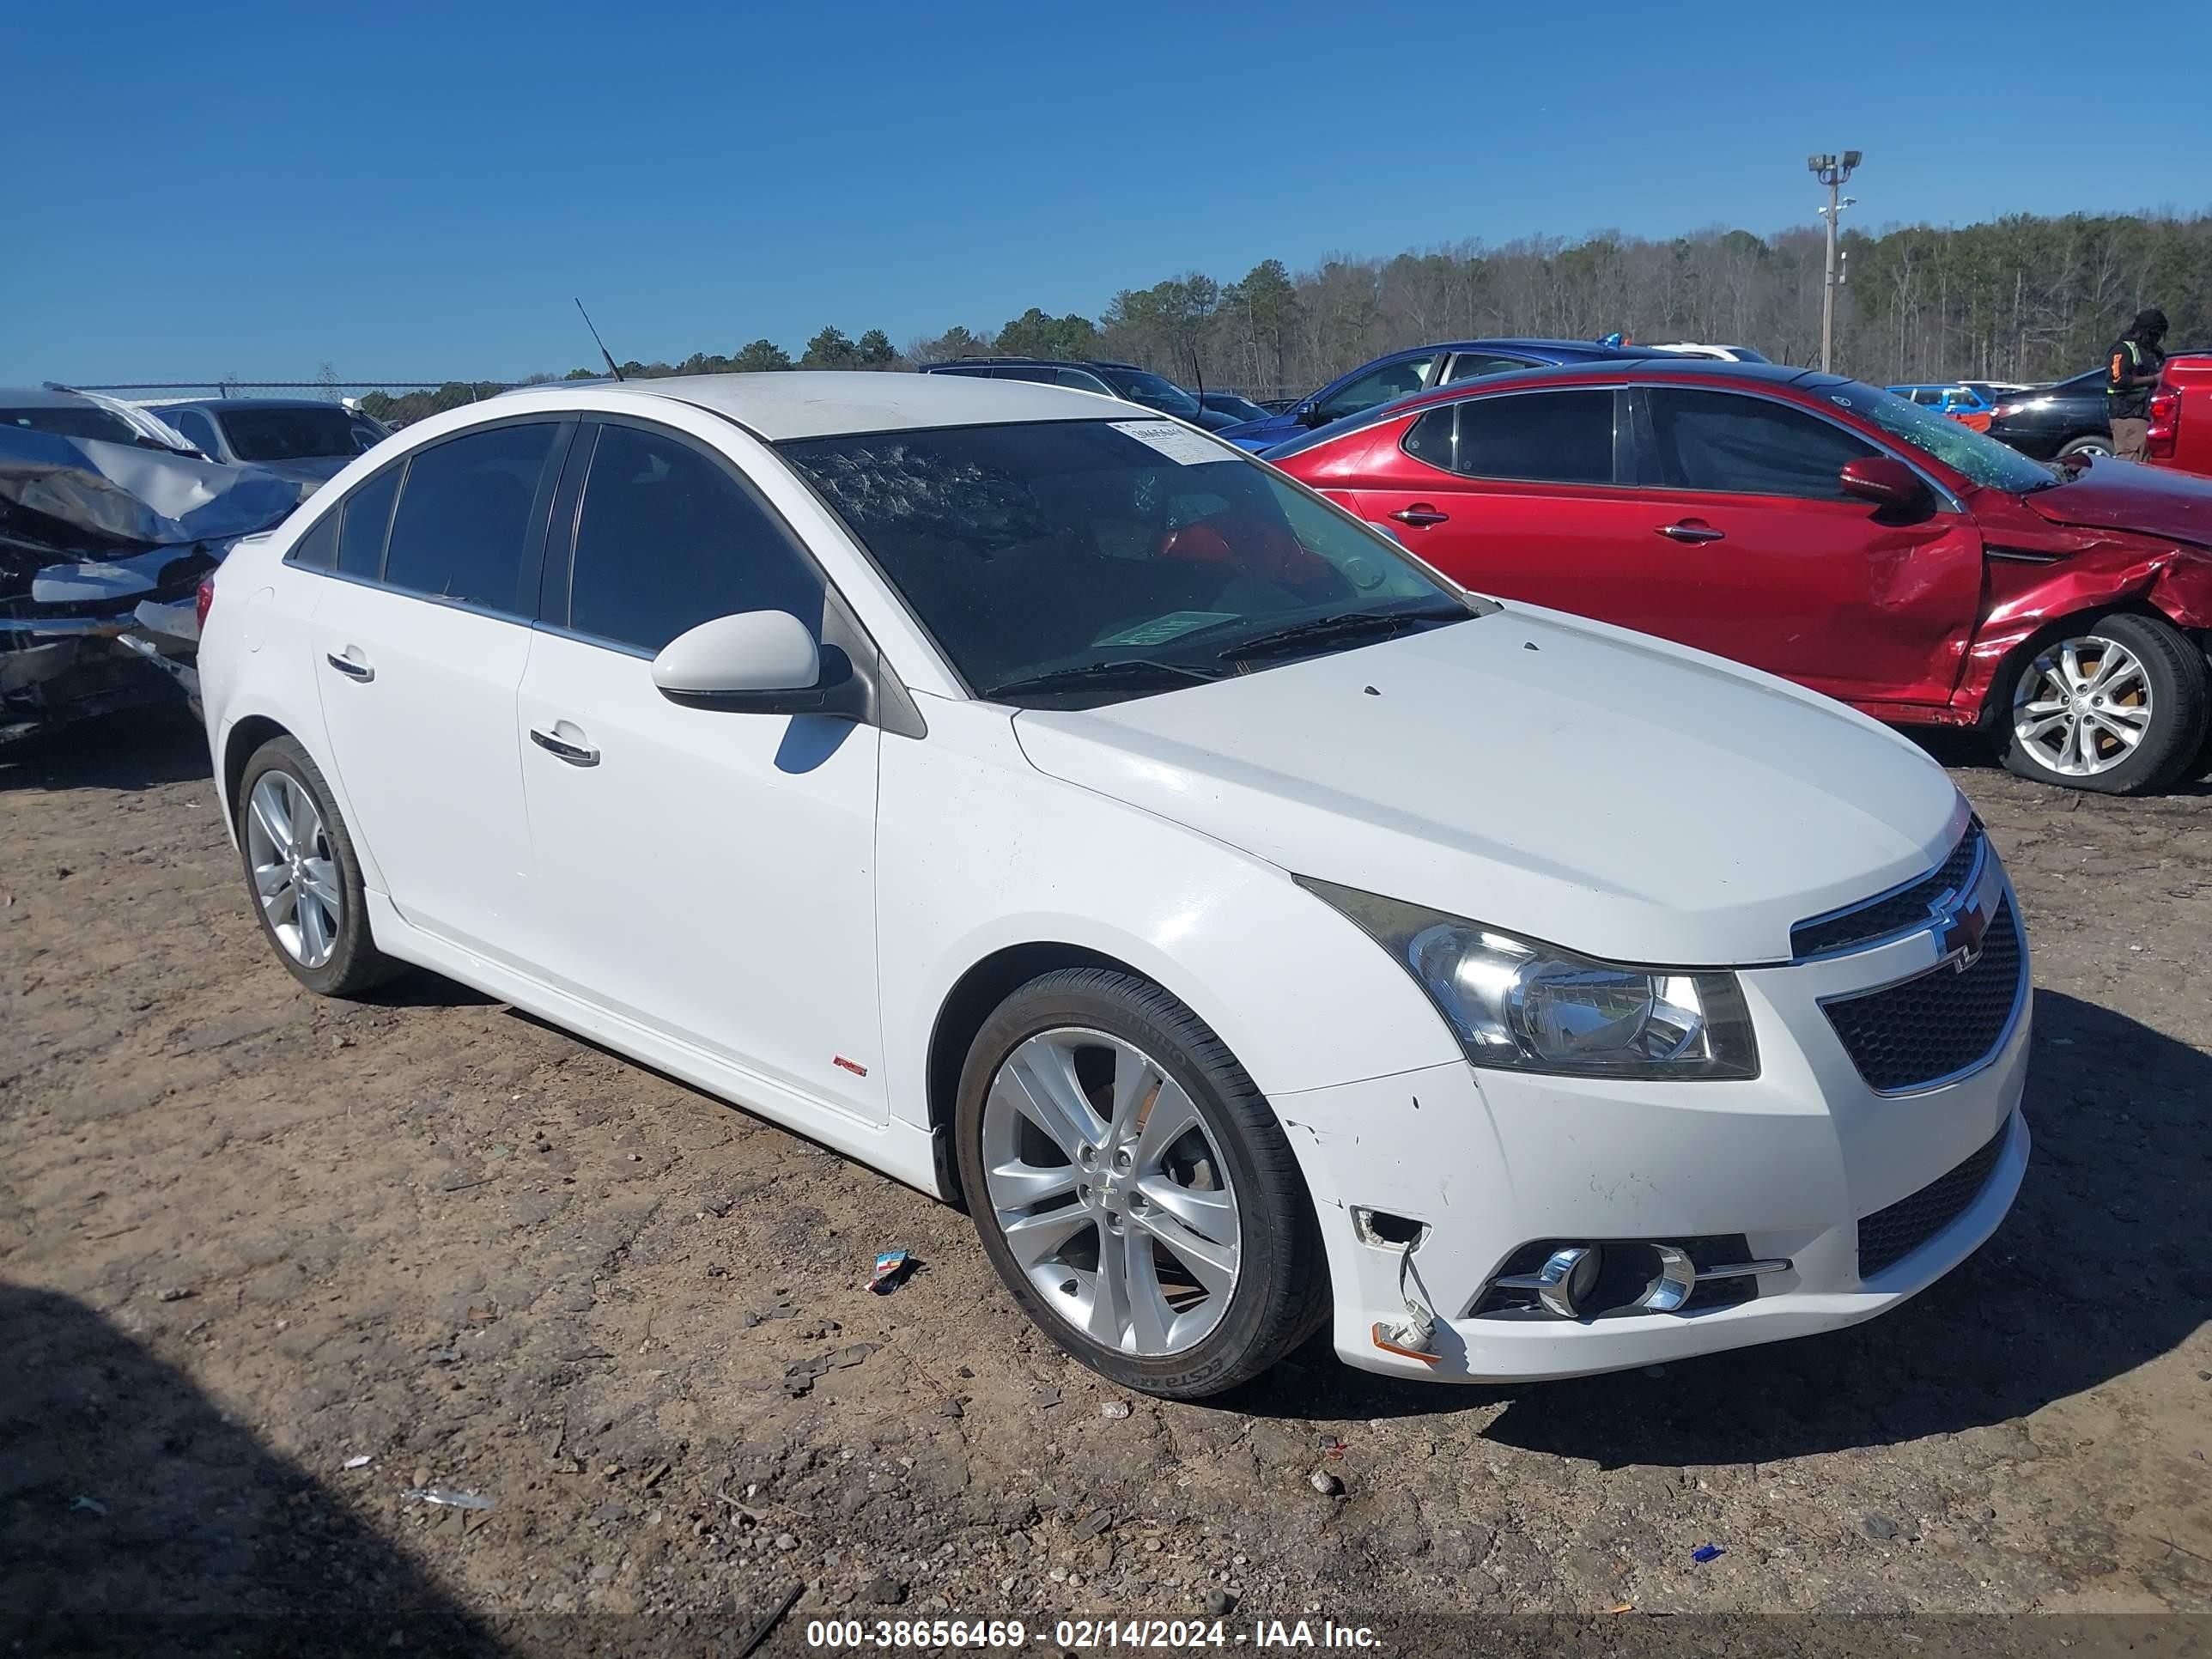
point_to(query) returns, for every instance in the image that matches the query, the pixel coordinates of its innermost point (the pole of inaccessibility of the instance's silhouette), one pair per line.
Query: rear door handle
(575, 754)
(1420, 515)
(349, 667)
(1692, 533)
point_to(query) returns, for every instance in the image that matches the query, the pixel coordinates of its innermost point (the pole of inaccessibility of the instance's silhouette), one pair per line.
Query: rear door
(707, 874)
(419, 646)
(1517, 494)
(1754, 552)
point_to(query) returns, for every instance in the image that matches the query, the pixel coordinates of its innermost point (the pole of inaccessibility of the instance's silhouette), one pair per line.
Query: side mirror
(1885, 481)
(759, 662)
(1310, 416)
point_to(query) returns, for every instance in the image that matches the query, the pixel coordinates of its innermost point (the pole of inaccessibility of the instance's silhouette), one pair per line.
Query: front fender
(2174, 581)
(979, 852)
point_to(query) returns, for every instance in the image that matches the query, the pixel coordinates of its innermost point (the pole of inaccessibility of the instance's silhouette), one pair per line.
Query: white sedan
(1069, 815)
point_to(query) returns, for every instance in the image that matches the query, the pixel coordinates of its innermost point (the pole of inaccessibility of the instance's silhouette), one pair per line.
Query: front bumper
(1490, 1161)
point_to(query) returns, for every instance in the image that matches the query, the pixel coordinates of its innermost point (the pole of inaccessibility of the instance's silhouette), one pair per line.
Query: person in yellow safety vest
(2131, 370)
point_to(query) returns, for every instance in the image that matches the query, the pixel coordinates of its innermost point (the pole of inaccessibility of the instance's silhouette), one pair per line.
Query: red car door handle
(1420, 514)
(1691, 531)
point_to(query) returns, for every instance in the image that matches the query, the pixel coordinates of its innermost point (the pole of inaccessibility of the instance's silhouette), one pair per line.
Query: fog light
(1567, 1277)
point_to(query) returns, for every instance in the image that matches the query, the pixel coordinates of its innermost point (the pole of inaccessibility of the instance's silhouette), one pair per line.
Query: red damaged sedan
(1823, 530)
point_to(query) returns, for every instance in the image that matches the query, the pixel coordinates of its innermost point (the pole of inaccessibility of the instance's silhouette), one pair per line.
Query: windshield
(296, 435)
(71, 421)
(1035, 548)
(1984, 460)
(1153, 392)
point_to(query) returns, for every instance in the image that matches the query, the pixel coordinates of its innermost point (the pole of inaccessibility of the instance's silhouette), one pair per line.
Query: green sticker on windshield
(1160, 629)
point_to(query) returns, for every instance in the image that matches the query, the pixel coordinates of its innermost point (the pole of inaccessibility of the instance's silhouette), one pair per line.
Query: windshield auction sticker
(1178, 443)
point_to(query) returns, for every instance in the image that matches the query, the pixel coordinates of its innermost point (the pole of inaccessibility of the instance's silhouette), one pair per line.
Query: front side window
(296, 435)
(1546, 437)
(1984, 460)
(1378, 386)
(1734, 444)
(668, 539)
(1073, 563)
(463, 527)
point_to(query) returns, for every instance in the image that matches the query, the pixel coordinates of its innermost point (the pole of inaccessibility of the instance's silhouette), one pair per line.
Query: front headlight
(1518, 1003)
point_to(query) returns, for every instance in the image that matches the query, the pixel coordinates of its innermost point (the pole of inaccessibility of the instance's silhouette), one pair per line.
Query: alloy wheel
(295, 877)
(1111, 1191)
(2082, 706)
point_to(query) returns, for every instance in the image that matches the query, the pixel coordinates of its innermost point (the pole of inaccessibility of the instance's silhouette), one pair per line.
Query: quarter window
(1548, 437)
(1730, 444)
(318, 549)
(462, 529)
(668, 538)
(362, 522)
(196, 429)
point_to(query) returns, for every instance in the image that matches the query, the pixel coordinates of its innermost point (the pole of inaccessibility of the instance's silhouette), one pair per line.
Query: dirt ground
(248, 1238)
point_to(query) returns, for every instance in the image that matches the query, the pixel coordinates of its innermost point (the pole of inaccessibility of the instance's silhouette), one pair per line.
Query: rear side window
(463, 527)
(1473, 365)
(668, 538)
(1548, 437)
(362, 522)
(1734, 444)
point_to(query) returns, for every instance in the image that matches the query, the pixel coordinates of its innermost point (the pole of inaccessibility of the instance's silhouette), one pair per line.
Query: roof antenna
(1199, 375)
(598, 341)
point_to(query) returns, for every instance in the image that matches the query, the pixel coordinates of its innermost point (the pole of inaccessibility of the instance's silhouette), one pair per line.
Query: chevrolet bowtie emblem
(1962, 925)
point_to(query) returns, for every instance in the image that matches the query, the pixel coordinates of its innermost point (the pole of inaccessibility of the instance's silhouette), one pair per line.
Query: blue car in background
(1417, 369)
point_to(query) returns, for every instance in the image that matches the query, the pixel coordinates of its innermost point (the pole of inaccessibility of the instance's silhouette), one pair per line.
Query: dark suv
(1124, 380)
(2047, 421)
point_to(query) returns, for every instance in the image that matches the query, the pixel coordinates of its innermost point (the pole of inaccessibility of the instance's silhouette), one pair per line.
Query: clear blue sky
(400, 190)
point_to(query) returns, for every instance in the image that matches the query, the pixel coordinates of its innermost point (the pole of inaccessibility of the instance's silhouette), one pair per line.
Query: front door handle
(576, 754)
(1420, 515)
(352, 669)
(1690, 531)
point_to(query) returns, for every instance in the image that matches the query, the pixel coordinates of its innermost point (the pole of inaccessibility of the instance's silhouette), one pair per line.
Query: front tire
(1134, 1189)
(2091, 444)
(304, 875)
(2118, 704)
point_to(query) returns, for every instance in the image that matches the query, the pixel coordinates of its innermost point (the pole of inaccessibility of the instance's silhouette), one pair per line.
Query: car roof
(782, 404)
(251, 403)
(1024, 363)
(39, 396)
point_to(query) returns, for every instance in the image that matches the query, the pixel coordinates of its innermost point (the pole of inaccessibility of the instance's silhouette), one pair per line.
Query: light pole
(1832, 171)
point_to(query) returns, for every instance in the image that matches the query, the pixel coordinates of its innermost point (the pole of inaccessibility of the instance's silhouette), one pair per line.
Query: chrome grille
(1899, 911)
(1938, 1025)
(1887, 1237)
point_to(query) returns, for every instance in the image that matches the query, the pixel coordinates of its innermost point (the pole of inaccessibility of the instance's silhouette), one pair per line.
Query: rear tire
(2091, 443)
(1210, 1327)
(303, 874)
(2070, 725)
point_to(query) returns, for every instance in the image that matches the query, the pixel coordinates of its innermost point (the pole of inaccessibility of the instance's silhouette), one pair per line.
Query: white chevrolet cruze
(1069, 815)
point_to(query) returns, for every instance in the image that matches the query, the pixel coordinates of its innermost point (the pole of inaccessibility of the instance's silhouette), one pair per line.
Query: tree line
(2025, 298)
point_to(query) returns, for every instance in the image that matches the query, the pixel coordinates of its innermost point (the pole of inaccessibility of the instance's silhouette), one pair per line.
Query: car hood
(1563, 780)
(1261, 435)
(309, 470)
(2111, 495)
